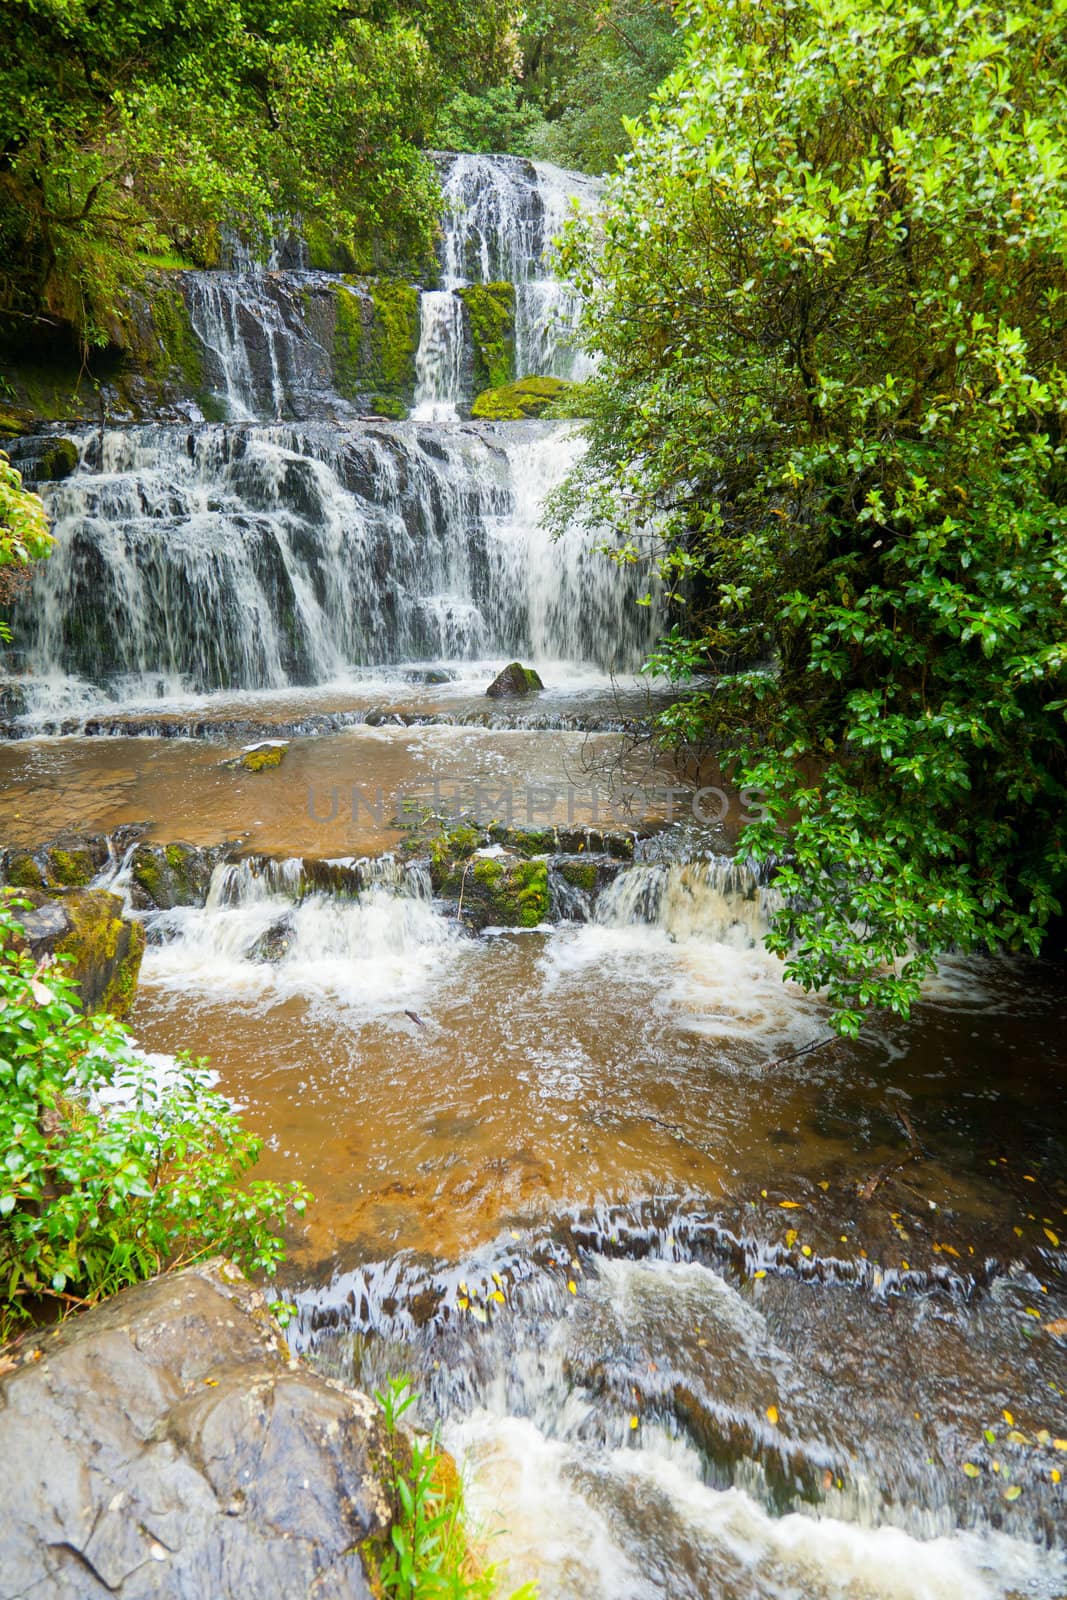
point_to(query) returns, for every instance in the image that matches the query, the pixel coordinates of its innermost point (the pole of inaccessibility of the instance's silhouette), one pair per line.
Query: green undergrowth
(110, 1173)
(429, 1553)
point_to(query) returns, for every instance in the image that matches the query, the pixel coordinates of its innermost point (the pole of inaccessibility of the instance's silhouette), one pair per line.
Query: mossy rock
(106, 949)
(517, 402)
(23, 871)
(173, 874)
(524, 841)
(489, 317)
(71, 869)
(261, 757)
(376, 338)
(579, 874)
(503, 890)
(514, 680)
(58, 461)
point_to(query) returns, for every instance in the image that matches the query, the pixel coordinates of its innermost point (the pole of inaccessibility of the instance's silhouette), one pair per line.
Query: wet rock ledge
(168, 1444)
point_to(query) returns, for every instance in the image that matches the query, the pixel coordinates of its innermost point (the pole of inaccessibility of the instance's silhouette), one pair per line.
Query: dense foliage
(586, 66)
(130, 126)
(831, 301)
(110, 1171)
(24, 535)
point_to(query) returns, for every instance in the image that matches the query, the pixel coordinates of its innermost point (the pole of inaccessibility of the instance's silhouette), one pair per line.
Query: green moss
(490, 317)
(579, 874)
(10, 425)
(179, 349)
(73, 869)
(526, 841)
(145, 870)
(512, 894)
(376, 337)
(529, 397)
(59, 460)
(23, 872)
(107, 951)
(265, 756)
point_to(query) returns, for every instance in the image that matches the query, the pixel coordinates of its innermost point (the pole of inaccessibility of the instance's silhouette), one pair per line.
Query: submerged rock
(514, 680)
(88, 924)
(165, 1444)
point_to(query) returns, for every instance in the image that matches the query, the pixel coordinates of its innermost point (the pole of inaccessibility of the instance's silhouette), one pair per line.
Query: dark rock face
(166, 1445)
(514, 680)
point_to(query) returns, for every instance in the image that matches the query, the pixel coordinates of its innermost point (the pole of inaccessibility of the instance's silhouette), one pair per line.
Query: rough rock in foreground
(166, 1444)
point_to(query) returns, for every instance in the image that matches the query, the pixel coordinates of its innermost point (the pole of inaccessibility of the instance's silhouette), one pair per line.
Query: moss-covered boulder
(489, 324)
(167, 875)
(69, 862)
(376, 338)
(494, 888)
(88, 925)
(514, 680)
(58, 461)
(260, 757)
(517, 402)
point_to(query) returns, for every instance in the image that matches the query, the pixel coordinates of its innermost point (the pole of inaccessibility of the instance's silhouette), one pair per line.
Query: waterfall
(274, 555)
(717, 899)
(300, 539)
(439, 361)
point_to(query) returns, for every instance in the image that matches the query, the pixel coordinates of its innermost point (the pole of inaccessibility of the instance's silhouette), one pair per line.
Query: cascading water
(200, 558)
(501, 215)
(272, 555)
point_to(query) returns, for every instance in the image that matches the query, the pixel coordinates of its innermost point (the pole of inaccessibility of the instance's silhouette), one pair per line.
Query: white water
(638, 1520)
(280, 556)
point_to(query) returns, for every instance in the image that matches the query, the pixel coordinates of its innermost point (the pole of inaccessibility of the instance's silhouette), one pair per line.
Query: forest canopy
(133, 128)
(830, 303)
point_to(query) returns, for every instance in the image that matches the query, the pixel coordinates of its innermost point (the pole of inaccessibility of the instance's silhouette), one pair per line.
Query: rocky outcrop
(514, 680)
(88, 925)
(496, 888)
(167, 1445)
(168, 875)
(514, 402)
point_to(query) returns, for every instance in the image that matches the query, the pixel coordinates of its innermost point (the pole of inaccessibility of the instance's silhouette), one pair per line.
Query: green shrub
(110, 1174)
(428, 1556)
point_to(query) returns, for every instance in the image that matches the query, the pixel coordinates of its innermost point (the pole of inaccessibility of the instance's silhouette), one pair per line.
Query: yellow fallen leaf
(904, 1267)
(496, 1295)
(844, 1238)
(1015, 1437)
(515, 1235)
(1018, 1232)
(950, 1251)
(1055, 1474)
(572, 1286)
(789, 1205)
(1014, 1492)
(824, 1185)
(633, 1422)
(1043, 1436)
(1030, 1312)
(790, 1237)
(463, 1302)
(463, 1289)
(1027, 1178)
(1008, 1418)
(1052, 1238)
(970, 1469)
(762, 1273)
(805, 1249)
(772, 1416)
(1059, 1444)
(763, 1192)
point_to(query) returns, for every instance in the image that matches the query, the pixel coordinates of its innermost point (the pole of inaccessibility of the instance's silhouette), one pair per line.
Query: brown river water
(699, 1314)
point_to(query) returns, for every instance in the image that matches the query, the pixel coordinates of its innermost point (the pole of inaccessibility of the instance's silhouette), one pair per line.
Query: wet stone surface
(166, 1444)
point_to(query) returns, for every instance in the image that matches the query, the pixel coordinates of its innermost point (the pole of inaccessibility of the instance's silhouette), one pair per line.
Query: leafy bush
(24, 535)
(831, 301)
(110, 1171)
